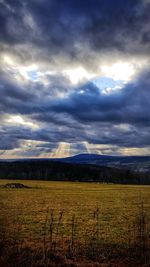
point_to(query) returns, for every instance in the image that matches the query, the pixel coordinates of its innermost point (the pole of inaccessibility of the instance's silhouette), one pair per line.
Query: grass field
(108, 210)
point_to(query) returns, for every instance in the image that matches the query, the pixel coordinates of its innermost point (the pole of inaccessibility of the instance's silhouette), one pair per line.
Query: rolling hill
(136, 163)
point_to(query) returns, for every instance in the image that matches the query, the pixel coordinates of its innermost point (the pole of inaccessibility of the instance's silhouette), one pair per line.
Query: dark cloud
(62, 34)
(88, 114)
(89, 104)
(69, 28)
(28, 97)
(15, 98)
(74, 116)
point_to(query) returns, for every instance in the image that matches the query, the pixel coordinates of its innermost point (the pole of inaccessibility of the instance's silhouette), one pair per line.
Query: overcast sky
(74, 77)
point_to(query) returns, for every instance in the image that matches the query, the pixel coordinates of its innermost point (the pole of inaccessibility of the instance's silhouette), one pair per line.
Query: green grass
(24, 210)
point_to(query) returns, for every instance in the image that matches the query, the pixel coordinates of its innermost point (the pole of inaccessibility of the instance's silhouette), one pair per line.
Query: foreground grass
(104, 212)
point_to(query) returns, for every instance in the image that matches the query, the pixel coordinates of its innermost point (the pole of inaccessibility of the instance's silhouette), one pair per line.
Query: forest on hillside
(59, 171)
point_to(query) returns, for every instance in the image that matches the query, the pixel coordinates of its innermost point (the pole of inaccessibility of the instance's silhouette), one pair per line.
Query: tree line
(59, 171)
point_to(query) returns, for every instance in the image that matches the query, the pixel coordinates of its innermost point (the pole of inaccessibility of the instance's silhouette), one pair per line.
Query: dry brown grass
(73, 224)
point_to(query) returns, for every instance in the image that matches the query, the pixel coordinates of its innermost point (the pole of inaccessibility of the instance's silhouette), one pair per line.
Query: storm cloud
(52, 54)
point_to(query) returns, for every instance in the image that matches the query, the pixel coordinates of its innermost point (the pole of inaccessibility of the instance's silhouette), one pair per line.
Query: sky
(74, 77)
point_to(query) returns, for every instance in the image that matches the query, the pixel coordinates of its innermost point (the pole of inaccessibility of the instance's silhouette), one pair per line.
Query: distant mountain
(136, 163)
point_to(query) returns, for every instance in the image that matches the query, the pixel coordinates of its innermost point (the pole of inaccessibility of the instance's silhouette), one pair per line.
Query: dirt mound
(14, 185)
